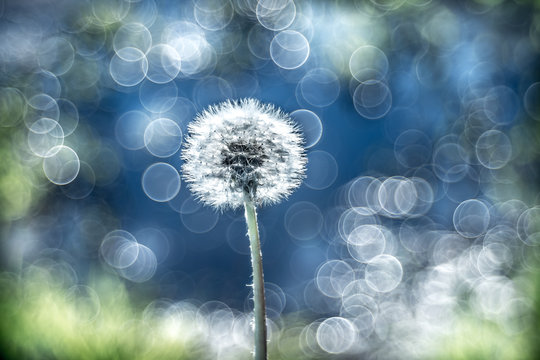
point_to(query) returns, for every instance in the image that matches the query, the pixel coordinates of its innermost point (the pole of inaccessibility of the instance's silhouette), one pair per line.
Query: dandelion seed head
(239, 146)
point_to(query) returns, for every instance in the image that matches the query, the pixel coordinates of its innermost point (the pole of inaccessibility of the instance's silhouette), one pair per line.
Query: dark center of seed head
(243, 158)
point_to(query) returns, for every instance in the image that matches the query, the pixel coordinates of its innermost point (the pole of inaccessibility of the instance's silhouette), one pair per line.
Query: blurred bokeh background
(416, 233)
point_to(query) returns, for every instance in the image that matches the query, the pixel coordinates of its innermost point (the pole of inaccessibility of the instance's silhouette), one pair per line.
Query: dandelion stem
(258, 279)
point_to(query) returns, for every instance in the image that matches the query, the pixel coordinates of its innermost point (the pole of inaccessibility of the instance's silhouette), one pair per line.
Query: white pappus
(243, 146)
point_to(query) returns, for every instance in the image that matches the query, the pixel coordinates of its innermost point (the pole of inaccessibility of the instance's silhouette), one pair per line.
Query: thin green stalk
(258, 278)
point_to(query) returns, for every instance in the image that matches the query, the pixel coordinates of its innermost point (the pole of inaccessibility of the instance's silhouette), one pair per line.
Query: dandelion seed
(245, 145)
(245, 154)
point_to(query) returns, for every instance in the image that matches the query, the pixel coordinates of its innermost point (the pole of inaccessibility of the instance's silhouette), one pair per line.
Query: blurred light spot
(368, 63)
(361, 309)
(43, 81)
(528, 226)
(351, 218)
(447, 162)
(69, 116)
(412, 148)
(44, 135)
(310, 124)
(319, 87)
(448, 247)
(41, 106)
(128, 67)
(276, 15)
(164, 64)
(322, 170)
(289, 49)
(501, 105)
(424, 197)
(156, 240)
(56, 55)
(119, 249)
(493, 149)
(188, 40)
(303, 220)
(130, 128)
(471, 218)
(397, 196)
(190, 205)
(83, 185)
(494, 259)
(303, 23)
(357, 193)
(365, 242)
(161, 182)
(383, 273)
(162, 137)
(143, 267)
(132, 35)
(415, 235)
(333, 277)
(336, 335)
(157, 98)
(213, 15)
(372, 99)
(62, 167)
(466, 188)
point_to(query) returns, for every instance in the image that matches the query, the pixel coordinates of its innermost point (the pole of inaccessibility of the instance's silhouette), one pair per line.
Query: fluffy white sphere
(239, 146)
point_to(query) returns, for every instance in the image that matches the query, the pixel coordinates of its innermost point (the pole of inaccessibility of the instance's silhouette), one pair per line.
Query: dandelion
(246, 154)
(239, 146)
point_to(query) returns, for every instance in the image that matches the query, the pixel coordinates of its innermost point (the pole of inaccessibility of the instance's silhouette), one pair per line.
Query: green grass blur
(474, 338)
(43, 318)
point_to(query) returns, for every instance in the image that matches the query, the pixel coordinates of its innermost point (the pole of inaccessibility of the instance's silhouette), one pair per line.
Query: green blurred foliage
(42, 319)
(474, 338)
(18, 190)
